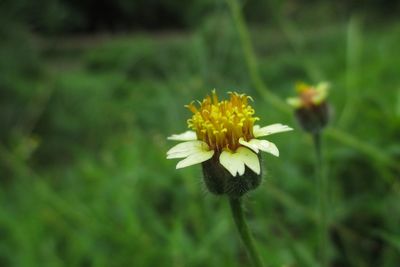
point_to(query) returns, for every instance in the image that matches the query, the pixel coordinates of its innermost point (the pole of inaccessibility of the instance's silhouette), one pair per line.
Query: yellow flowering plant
(312, 111)
(224, 137)
(310, 105)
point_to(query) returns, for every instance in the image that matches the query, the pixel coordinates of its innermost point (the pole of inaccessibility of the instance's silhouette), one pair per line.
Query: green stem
(322, 201)
(237, 213)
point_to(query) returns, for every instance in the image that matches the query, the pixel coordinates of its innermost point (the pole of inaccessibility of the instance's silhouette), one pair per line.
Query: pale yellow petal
(232, 163)
(322, 92)
(187, 146)
(249, 158)
(250, 145)
(195, 158)
(265, 146)
(270, 129)
(186, 136)
(186, 153)
(294, 102)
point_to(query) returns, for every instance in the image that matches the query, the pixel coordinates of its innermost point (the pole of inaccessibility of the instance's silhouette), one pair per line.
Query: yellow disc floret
(222, 124)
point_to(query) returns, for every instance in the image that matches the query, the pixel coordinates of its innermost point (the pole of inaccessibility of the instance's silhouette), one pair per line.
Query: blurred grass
(86, 183)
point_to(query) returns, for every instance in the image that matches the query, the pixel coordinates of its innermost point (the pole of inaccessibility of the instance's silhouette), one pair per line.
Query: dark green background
(89, 90)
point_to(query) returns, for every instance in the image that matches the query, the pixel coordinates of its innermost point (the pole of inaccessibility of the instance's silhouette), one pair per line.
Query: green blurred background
(89, 90)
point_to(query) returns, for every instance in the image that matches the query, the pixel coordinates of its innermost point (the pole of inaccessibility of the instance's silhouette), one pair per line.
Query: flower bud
(313, 119)
(311, 107)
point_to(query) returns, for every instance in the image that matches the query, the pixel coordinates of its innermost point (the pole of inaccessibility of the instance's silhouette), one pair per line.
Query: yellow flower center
(221, 124)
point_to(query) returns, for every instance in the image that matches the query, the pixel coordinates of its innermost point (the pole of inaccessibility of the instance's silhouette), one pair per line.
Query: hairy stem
(238, 217)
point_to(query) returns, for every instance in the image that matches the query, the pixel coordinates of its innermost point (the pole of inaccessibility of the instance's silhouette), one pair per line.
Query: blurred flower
(224, 138)
(311, 108)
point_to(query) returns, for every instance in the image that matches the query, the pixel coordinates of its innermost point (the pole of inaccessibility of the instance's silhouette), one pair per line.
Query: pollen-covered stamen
(222, 123)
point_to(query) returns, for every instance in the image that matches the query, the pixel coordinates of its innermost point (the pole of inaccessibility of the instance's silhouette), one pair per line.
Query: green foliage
(84, 177)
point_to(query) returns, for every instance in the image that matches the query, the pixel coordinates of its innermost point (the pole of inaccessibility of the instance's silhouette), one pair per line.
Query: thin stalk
(238, 217)
(322, 201)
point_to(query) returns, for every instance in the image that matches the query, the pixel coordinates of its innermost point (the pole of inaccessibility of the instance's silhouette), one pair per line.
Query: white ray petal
(232, 163)
(294, 102)
(265, 146)
(195, 158)
(249, 158)
(252, 146)
(270, 129)
(186, 136)
(322, 92)
(186, 153)
(188, 146)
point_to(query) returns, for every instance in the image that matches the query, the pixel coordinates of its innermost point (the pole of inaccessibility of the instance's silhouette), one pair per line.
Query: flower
(224, 132)
(309, 95)
(311, 108)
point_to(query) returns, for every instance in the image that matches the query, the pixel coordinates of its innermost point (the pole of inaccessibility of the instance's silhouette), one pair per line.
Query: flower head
(309, 96)
(311, 108)
(223, 137)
